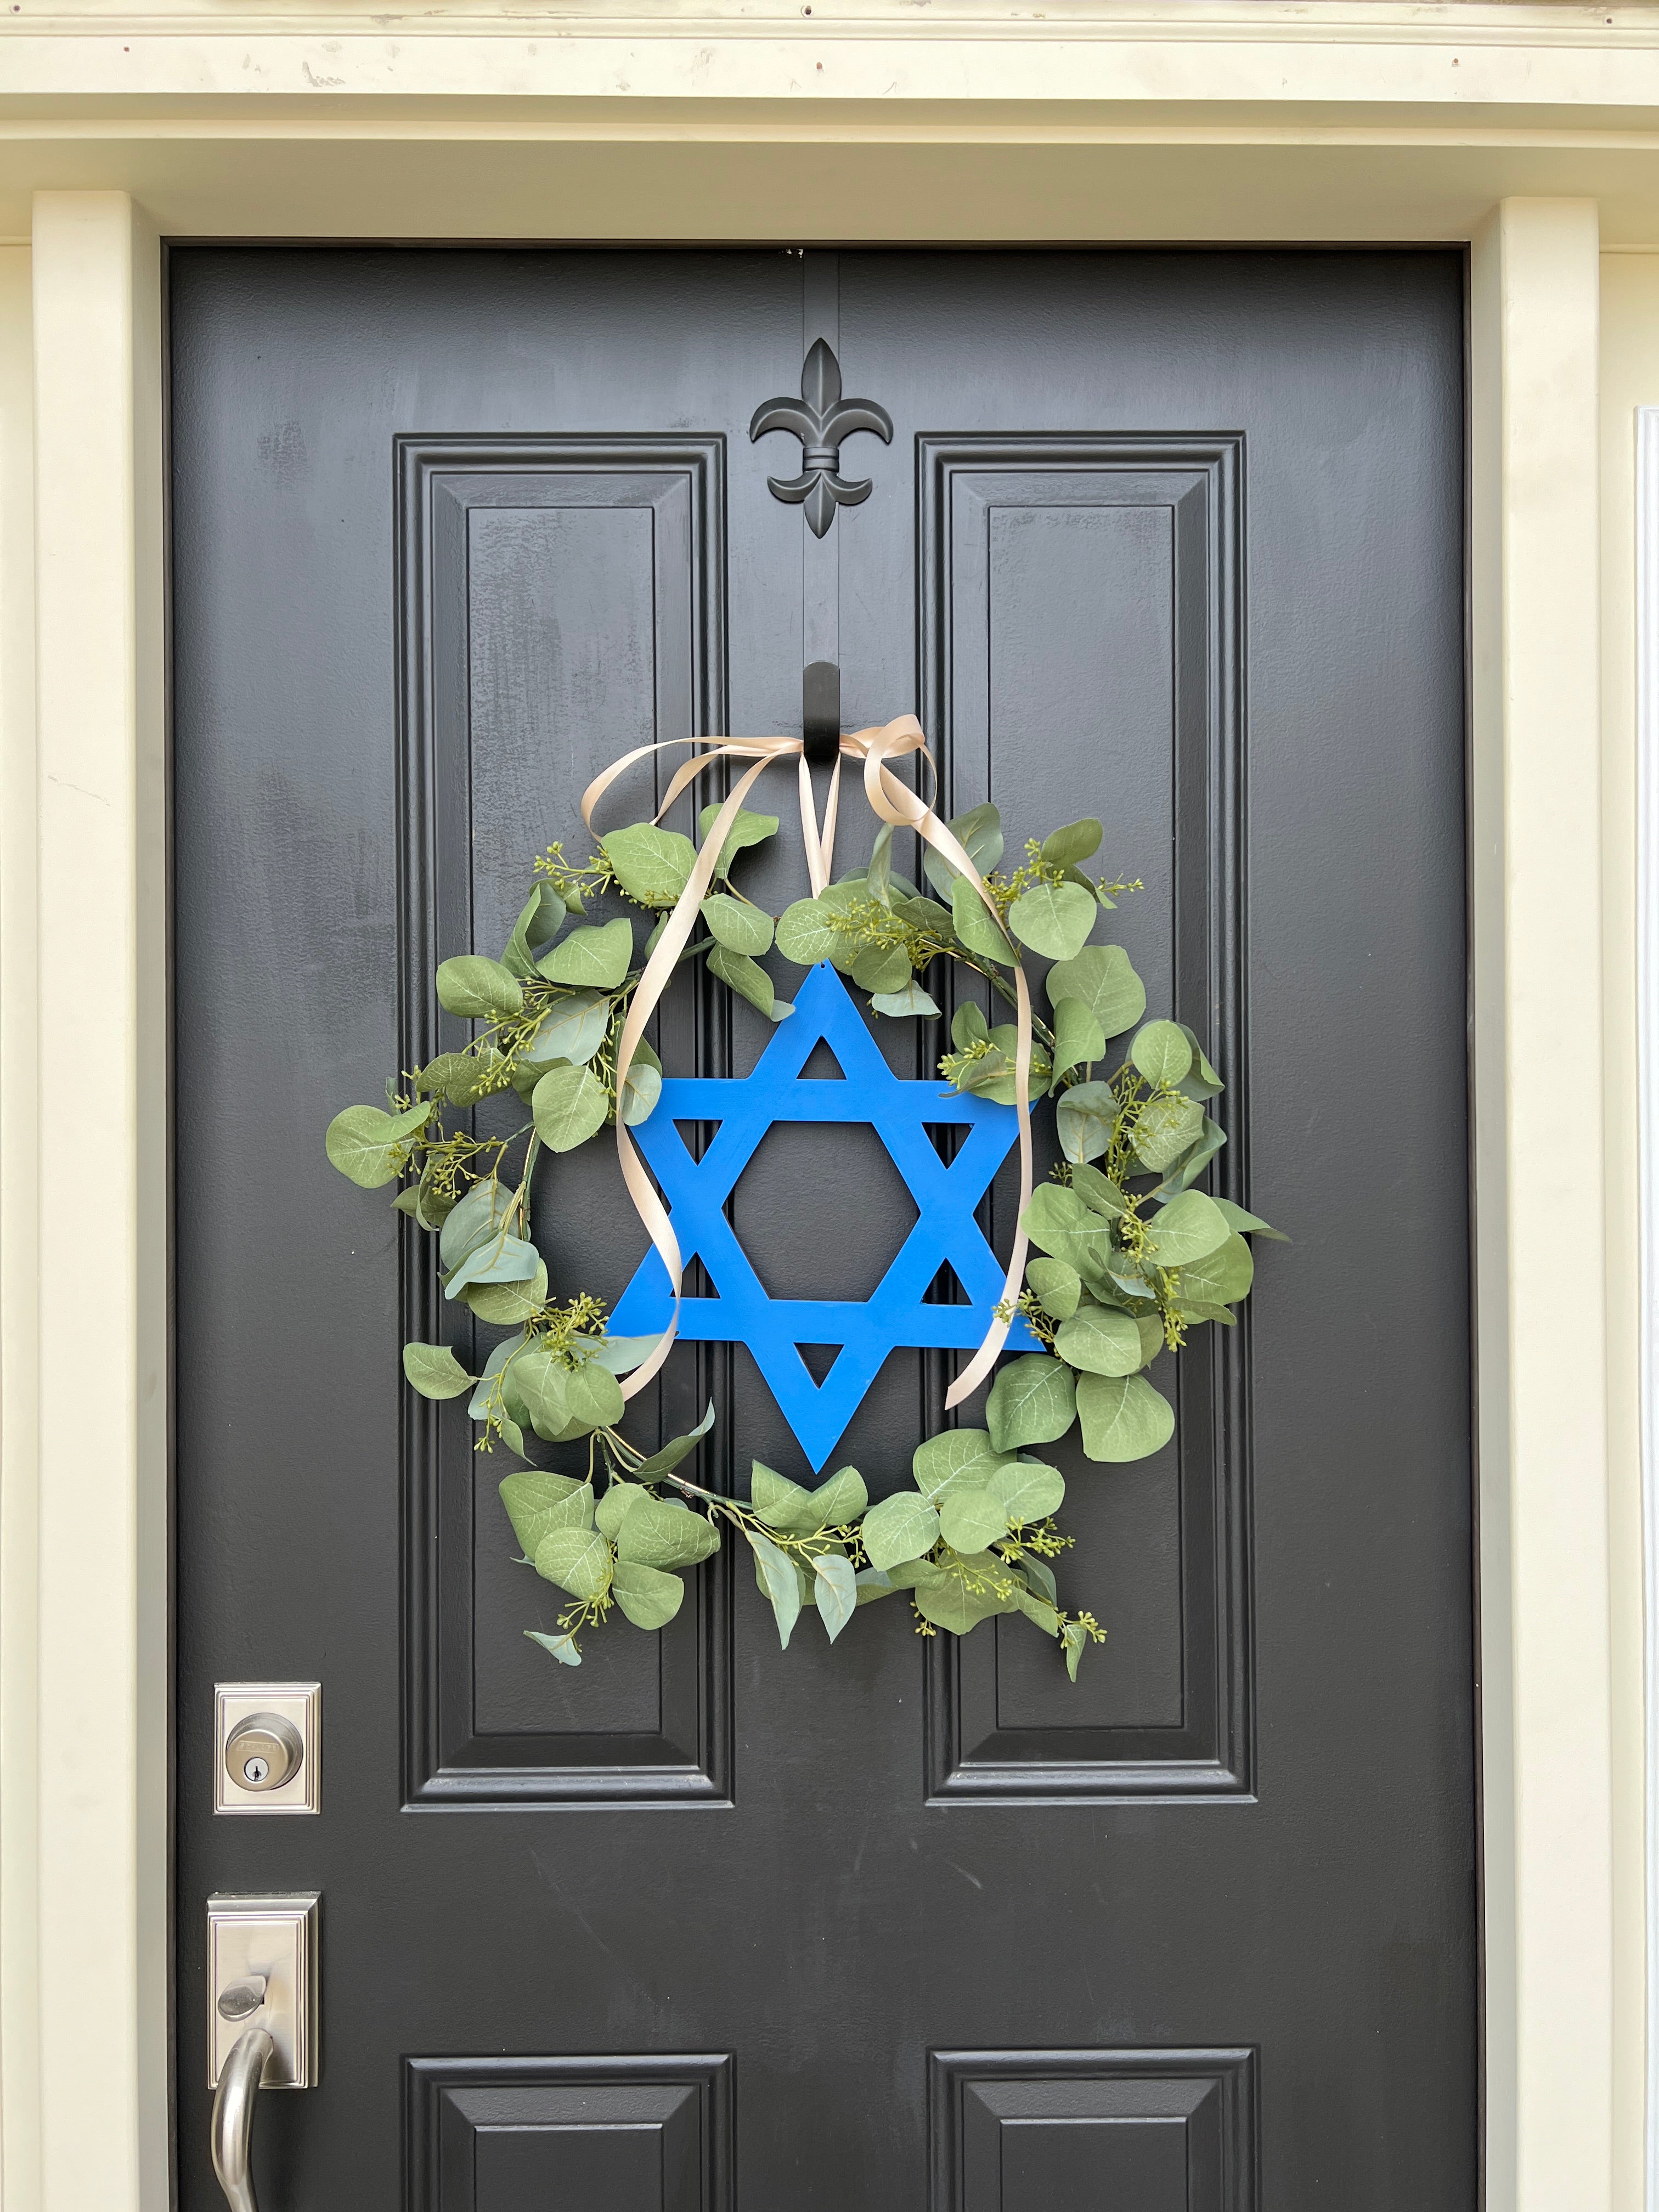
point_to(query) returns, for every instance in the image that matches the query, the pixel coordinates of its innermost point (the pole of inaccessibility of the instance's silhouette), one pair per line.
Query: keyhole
(256, 1770)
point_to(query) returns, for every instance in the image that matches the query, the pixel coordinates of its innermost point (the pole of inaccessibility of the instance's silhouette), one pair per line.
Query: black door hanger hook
(820, 712)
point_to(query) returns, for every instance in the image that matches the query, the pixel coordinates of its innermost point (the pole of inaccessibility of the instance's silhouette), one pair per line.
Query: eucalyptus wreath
(1133, 1256)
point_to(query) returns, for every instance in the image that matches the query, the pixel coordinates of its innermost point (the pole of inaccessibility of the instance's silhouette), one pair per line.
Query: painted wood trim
(103, 1878)
(1536, 934)
(1647, 897)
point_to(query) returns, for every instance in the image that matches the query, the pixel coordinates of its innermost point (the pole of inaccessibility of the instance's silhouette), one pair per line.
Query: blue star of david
(896, 1315)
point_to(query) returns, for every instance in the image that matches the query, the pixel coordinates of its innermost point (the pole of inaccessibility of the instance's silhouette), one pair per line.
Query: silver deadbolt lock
(263, 1752)
(267, 1746)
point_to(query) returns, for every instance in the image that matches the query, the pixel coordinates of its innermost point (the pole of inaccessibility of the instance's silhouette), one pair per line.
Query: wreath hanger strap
(896, 803)
(893, 802)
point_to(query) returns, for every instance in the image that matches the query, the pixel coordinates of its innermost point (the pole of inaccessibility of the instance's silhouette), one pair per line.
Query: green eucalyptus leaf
(501, 1259)
(975, 926)
(1055, 1286)
(1041, 1577)
(969, 1520)
(569, 1105)
(540, 920)
(1099, 1192)
(577, 1559)
(479, 988)
(657, 1532)
(1248, 1224)
(621, 1354)
(805, 935)
(749, 980)
(1085, 1117)
(1221, 1278)
(900, 1527)
(912, 1000)
(1164, 1128)
(1102, 976)
(1201, 1081)
(495, 1366)
(839, 1501)
(665, 1460)
(1161, 1053)
(950, 1604)
(538, 1502)
(1188, 1227)
(737, 925)
(1064, 847)
(619, 1500)
(979, 832)
(749, 829)
(968, 1026)
(483, 1213)
(1030, 1489)
(649, 1597)
(366, 1143)
(1123, 1417)
(1058, 1222)
(1075, 1637)
(1032, 1402)
(562, 1646)
(1053, 919)
(872, 1584)
(1039, 1610)
(573, 1030)
(643, 1088)
(779, 1502)
(434, 1371)
(882, 968)
(540, 1380)
(1100, 1341)
(594, 1396)
(780, 1582)
(1186, 1170)
(915, 1574)
(653, 866)
(593, 957)
(955, 1459)
(507, 1304)
(460, 1078)
(834, 1591)
(1078, 1038)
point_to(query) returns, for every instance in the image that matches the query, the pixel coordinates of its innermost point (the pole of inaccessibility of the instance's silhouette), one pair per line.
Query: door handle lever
(262, 2020)
(232, 2115)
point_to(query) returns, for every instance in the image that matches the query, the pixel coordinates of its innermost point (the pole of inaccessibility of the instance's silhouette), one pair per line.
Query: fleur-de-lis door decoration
(821, 419)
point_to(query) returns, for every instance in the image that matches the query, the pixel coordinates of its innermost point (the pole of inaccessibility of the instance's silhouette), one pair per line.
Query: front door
(910, 1924)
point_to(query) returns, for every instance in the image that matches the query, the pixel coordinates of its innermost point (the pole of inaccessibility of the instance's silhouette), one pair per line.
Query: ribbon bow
(892, 801)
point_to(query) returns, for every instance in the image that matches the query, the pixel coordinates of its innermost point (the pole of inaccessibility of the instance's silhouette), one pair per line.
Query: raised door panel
(565, 2134)
(1144, 2130)
(1082, 654)
(563, 601)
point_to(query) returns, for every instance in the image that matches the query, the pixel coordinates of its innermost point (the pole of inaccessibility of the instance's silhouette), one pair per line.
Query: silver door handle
(233, 2116)
(262, 2018)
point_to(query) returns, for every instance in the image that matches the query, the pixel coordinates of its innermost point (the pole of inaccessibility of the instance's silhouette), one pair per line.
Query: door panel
(1174, 539)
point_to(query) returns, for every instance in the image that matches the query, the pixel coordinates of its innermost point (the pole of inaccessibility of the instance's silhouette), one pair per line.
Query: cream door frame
(1530, 132)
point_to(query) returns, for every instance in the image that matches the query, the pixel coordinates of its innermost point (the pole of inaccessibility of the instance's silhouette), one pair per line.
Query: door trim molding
(82, 770)
(1647, 955)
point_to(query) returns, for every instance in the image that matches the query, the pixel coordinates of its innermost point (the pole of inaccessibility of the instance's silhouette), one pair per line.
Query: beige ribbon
(892, 801)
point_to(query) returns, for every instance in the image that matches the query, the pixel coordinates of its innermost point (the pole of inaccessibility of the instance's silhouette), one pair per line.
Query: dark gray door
(1171, 538)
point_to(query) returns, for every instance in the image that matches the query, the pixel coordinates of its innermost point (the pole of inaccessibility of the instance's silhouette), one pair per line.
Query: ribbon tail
(894, 803)
(647, 991)
(995, 1337)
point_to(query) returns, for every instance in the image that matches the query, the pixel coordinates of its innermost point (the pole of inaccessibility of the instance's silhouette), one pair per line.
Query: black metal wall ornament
(821, 419)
